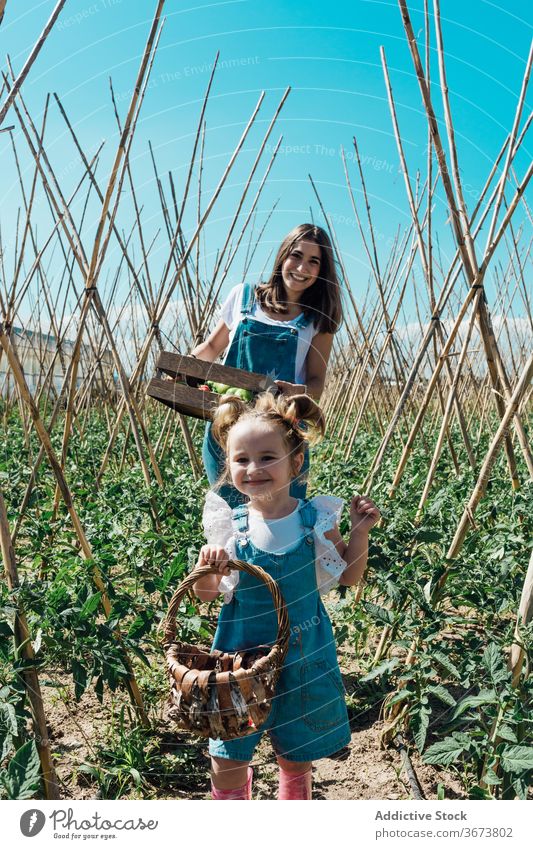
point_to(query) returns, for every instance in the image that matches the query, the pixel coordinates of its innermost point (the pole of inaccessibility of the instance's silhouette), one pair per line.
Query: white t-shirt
(277, 536)
(230, 311)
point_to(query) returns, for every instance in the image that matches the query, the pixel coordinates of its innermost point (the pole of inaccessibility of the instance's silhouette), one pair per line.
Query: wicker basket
(220, 694)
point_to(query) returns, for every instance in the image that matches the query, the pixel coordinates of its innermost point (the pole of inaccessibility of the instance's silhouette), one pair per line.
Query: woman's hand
(363, 514)
(214, 555)
(291, 388)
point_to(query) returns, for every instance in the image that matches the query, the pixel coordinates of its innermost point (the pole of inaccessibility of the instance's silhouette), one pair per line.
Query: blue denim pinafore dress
(308, 719)
(263, 348)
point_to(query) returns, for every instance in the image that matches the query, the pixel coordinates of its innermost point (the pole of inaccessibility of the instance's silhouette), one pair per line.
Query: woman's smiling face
(301, 268)
(258, 461)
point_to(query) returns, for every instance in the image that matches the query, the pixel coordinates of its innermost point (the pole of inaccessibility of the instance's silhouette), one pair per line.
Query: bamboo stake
(446, 418)
(440, 306)
(424, 254)
(481, 485)
(510, 154)
(464, 239)
(96, 260)
(31, 58)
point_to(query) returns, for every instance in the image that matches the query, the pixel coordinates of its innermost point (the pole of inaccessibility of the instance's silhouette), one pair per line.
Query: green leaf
(446, 663)
(485, 697)
(23, 776)
(447, 751)
(442, 694)
(419, 726)
(90, 605)
(10, 717)
(505, 732)
(5, 628)
(521, 787)
(135, 774)
(517, 758)
(99, 689)
(381, 669)
(477, 792)
(428, 536)
(6, 741)
(491, 778)
(493, 663)
(141, 625)
(381, 614)
(400, 696)
(393, 590)
(37, 641)
(80, 676)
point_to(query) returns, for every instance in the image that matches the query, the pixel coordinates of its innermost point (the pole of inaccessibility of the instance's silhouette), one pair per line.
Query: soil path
(367, 772)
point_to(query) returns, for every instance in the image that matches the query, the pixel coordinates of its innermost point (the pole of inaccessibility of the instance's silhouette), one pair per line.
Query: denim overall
(263, 348)
(308, 719)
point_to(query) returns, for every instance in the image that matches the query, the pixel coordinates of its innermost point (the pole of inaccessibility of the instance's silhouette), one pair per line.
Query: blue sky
(327, 52)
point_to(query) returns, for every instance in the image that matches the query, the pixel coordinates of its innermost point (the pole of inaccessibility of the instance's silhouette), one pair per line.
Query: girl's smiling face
(259, 464)
(301, 268)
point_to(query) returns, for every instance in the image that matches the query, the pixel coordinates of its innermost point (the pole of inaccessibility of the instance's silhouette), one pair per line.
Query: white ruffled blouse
(219, 530)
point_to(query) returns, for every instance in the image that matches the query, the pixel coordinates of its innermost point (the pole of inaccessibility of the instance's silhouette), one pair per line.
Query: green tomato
(232, 390)
(245, 394)
(221, 388)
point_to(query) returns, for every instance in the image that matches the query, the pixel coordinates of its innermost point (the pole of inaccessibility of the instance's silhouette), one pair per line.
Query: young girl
(283, 328)
(299, 544)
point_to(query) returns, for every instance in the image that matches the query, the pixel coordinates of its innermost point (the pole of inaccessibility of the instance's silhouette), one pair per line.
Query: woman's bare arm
(316, 364)
(216, 342)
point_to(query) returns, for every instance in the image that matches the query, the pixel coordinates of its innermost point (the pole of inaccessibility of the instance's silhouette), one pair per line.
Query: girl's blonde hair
(299, 418)
(322, 301)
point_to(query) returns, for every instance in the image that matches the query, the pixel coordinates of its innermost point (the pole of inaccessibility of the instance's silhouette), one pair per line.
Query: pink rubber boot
(293, 786)
(244, 792)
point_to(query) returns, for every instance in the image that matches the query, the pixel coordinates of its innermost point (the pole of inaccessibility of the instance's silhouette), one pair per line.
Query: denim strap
(240, 523)
(248, 298)
(247, 304)
(301, 321)
(308, 516)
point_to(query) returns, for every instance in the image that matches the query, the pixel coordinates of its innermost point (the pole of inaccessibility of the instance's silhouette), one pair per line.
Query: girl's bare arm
(207, 588)
(364, 515)
(354, 553)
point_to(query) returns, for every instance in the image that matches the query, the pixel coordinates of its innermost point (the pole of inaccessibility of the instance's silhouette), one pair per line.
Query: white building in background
(37, 350)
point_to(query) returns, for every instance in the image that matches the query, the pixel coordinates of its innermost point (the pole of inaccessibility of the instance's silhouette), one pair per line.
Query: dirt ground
(366, 772)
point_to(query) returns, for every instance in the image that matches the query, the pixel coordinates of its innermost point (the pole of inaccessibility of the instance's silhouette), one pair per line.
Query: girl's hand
(214, 555)
(291, 388)
(363, 514)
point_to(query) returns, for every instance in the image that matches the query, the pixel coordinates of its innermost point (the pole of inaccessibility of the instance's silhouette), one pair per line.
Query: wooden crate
(188, 372)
